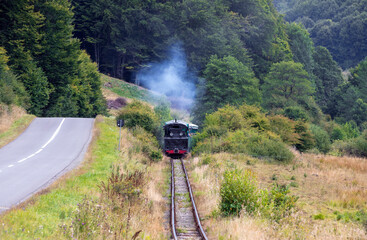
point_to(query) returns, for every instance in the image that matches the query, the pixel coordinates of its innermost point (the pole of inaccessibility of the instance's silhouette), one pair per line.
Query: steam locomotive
(178, 137)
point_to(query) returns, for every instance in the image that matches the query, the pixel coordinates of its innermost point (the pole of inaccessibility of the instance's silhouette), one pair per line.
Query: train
(178, 138)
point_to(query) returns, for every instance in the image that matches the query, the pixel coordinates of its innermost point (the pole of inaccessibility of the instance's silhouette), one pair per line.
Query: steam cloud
(171, 78)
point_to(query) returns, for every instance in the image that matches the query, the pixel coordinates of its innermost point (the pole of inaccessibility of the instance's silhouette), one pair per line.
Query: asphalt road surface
(48, 148)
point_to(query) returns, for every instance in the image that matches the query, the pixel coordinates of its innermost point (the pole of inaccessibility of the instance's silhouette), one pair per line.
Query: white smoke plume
(171, 78)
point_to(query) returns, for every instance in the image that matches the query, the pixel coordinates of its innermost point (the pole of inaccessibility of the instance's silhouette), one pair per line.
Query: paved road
(47, 149)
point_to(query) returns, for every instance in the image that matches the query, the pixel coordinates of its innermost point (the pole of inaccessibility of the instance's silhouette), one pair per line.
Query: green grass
(127, 90)
(42, 219)
(16, 128)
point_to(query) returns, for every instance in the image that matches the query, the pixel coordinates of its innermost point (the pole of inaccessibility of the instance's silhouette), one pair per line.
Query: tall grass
(13, 121)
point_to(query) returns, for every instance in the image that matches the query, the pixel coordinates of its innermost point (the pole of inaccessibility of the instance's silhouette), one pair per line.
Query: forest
(42, 67)
(243, 52)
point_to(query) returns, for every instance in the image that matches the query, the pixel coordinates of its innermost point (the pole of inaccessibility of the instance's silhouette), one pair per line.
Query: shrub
(285, 128)
(254, 117)
(228, 117)
(163, 112)
(238, 191)
(269, 148)
(319, 216)
(356, 146)
(147, 144)
(321, 137)
(280, 202)
(139, 114)
(122, 186)
(306, 140)
(350, 130)
(338, 133)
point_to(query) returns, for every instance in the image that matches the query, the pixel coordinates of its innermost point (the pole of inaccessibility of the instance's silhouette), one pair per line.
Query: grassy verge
(46, 215)
(128, 90)
(332, 195)
(12, 123)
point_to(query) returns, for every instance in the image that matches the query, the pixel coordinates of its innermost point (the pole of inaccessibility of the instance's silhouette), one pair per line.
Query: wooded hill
(243, 51)
(41, 65)
(340, 26)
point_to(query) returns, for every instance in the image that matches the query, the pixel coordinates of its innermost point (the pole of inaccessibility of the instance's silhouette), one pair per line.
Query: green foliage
(241, 130)
(280, 202)
(339, 26)
(285, 128)
(122, 36)
(321, 137)
(11, 90)
(355, 146)
(59, 79)
(296, 113)
(319, 216)
(139, 114)
(345, 131)
(147, 144)
(239, 191)
(306, 139)
(357, 216)
(227, 81)
(37, 86)
(327, 77)
(163, 112)
(286, 84)
(301, 45)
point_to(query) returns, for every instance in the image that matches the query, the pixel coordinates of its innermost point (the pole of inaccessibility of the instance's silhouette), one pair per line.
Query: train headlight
(171, 134)
(181, 134)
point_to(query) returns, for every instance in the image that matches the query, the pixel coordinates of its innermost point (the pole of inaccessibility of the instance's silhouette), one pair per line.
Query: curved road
(45, 150)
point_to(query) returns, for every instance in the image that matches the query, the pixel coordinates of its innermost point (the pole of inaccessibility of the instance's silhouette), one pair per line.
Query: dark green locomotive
(178, 137)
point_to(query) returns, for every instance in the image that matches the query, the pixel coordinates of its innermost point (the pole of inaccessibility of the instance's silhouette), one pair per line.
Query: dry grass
(324, 184)
(147, 214)
(8, 115)
(13, 121)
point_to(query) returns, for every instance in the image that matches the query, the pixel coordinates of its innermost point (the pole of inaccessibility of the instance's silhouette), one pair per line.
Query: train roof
(176, 122)
(190, 125)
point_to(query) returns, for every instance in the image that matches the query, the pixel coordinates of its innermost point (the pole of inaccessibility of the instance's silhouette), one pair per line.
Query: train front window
(176, 131)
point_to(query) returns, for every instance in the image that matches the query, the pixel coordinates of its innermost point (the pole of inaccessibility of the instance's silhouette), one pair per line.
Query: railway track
(185, 221)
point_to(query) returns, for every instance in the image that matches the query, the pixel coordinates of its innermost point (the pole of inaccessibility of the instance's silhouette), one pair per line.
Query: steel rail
(197, 218)
(173, 216)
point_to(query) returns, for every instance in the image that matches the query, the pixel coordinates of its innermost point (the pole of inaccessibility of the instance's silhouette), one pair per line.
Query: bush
(285, 128)
(355, 147)
(147, 144)
(322, 138)
(139, 114)
(260, 146)
(280, 202)
(228, 117)
(306, 140)
(241, 130)
(238, 191)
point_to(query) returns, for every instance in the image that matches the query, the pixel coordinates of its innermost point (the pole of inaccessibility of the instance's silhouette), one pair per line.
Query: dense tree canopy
(240, 86)
(287, 84)
(349, 102)
(340, 26)
(37, 36)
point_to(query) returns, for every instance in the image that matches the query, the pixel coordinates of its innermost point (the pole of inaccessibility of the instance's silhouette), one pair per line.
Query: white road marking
(55, 133)
(11, 166)
(48, 142)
